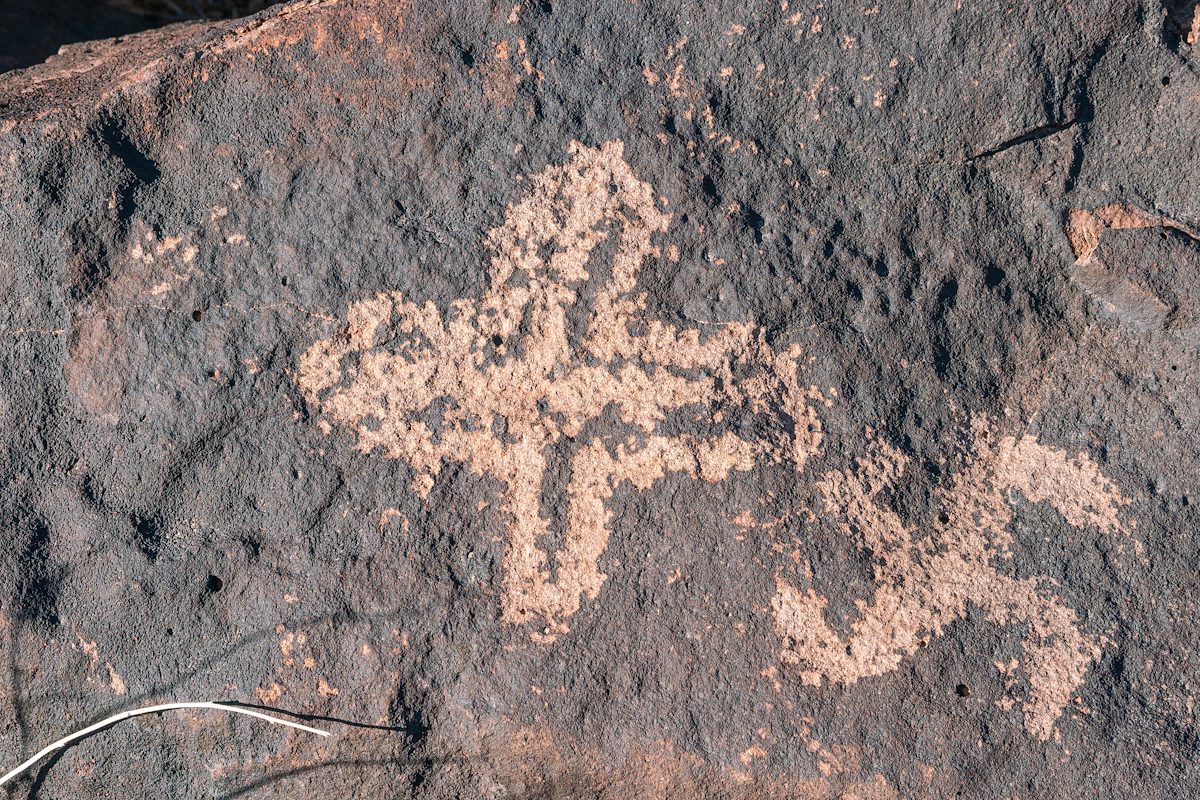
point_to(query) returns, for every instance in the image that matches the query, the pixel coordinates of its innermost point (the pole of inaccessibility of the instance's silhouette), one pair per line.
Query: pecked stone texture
(616, 400)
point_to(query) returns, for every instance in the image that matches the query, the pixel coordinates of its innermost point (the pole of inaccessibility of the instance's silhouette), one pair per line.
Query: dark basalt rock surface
(609, 400)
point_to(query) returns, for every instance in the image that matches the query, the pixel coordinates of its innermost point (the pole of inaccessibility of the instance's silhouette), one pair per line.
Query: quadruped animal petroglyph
(497, 382)
(512, 395)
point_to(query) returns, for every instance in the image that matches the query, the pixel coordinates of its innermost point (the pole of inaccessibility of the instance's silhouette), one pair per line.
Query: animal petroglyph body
(513, 384)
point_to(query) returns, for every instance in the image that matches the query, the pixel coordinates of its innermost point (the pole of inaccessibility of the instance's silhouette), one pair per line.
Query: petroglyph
(498, 383)
(924, 579)
(506, 382)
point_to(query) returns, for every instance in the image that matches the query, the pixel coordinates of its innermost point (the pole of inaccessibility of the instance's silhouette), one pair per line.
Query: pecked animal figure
(513, 384)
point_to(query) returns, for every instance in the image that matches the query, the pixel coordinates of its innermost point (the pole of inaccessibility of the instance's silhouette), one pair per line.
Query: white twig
(137, 712)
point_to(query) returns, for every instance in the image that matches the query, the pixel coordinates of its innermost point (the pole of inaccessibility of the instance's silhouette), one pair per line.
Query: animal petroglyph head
(507, 380)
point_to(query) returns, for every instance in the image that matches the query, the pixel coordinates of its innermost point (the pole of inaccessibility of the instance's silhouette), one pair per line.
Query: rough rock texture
(608, 400)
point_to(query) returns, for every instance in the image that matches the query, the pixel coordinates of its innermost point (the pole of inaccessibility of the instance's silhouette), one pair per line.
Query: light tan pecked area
(925, 578)
(513, 394)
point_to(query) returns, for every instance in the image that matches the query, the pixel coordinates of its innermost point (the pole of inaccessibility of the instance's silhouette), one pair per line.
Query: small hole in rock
(497, 340)
(170, 631)
(214, 584)
(283, 280)
(1166, 81)
(197, 315)
(962, 690)
(943, 517)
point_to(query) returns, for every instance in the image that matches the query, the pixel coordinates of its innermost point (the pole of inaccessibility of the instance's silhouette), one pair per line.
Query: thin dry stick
(137, 712)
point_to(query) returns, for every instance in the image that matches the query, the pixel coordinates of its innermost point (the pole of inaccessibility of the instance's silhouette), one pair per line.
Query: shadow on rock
(33, 30)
